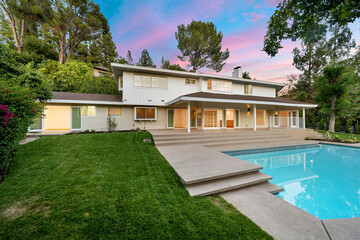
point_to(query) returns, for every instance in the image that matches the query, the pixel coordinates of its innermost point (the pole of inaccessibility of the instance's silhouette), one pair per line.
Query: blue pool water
(323, 180)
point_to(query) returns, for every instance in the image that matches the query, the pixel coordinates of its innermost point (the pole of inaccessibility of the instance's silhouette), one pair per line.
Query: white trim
(239, 101)
(145, 119)
(81, 118)
(85, 102)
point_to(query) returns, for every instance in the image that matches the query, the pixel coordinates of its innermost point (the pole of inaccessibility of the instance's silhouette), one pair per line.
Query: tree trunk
(332, 114)
(13, 27)
(22, 33)
(62, 51)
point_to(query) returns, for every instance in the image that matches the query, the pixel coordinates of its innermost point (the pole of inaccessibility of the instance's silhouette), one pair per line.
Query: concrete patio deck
(205, 170)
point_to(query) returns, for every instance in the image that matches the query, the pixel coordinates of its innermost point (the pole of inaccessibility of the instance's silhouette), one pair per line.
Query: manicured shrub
(111, 124)
(337, 125)
(17, 110)
(357, 128)
(348, 126)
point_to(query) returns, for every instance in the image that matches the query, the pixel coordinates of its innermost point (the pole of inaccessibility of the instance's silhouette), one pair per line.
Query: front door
(294, 121)
(170, 118)
(76, 118)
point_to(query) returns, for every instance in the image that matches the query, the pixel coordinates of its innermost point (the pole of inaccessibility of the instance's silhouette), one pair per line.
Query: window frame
(247, 92)
(190, 80)
(115, 111)
(160, 78)
(87, 111)
(145, 119)
(210, 87)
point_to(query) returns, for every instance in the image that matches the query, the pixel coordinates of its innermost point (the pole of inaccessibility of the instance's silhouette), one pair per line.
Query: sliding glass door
(213, 118)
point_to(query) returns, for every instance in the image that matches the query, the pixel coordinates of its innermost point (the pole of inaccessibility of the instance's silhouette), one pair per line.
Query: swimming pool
(323, 180)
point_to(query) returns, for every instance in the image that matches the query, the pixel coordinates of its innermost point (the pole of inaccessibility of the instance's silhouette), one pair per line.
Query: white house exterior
(152, 98)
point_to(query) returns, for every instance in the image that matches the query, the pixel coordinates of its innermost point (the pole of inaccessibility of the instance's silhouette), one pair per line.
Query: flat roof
(235, 98)
(119, 68)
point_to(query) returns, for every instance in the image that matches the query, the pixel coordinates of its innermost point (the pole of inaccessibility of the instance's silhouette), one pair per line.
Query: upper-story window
(218, 85)
(121, 82)
(248, 89)
(150, 81)
(190, 81)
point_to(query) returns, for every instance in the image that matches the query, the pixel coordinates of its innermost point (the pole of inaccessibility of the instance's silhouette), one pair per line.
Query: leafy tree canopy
(165, 64)
(294, 19)
(145, 60)
(200, 44)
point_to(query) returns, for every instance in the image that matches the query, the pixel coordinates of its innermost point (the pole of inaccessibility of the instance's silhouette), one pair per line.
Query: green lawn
(108, 186)
(341, 136)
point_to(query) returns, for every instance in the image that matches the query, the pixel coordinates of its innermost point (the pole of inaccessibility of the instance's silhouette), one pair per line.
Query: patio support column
(304, 118)
(188, 117)
(254, 116)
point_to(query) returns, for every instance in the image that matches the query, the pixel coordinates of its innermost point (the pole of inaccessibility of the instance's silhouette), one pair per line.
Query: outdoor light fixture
(248, 106)
(276, 113)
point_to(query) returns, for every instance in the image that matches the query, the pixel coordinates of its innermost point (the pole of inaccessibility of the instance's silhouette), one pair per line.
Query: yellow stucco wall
(57, 118)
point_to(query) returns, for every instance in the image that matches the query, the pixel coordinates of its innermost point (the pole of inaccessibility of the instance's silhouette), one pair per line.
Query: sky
(137, 25)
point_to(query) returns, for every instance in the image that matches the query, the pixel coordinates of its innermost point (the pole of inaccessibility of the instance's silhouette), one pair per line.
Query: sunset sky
(136, 25)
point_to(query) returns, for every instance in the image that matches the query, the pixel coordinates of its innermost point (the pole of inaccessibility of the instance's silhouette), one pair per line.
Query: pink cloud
(254, 16)
(272, 3)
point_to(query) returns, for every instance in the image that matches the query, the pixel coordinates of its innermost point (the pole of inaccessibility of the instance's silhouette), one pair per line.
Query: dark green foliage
(293, 19)
(39, 50)
(314, 122)
(17, 110)
(145, 60)
(165, 64)
(337, 125)
(200, 45)
(129, 58)
(77, 76)
(111, 124)
(246, 75)
(321, 124)
(348, 126)
(109, 186)
(357, 128)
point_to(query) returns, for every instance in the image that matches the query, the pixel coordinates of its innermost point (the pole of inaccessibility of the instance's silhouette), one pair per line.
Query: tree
(331, 90)
(6, 35)
(95, 56)
(246, 75)
(108, 50)
(73, 22)
(145, 60)
(200, 45)
(22, 11)
(129, 58)
(340, 42)
(293, 19)
(165, 64)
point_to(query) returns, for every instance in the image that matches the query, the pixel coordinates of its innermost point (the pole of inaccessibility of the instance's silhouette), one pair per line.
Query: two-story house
(152, 98)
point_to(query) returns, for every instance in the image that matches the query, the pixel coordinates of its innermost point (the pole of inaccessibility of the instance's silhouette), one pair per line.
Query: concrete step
(210, 132)
(250, 142)
(222, 141)
(269, 187)
(226, 184)
(211, 136)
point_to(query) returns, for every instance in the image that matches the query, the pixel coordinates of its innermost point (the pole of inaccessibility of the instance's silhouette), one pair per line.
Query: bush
(321, 124)
(17, 109)
(348, 126)
(357, 128)
(313, 123)
(111, 124)
(337, 125)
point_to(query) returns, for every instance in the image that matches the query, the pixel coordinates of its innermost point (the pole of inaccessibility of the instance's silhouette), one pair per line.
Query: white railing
(286, 122)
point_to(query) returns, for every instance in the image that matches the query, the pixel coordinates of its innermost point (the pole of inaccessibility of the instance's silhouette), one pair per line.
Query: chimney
(237, 73)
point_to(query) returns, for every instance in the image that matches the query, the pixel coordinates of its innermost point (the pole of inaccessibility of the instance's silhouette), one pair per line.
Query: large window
(218, 85)
(248, 89)
(115, 111)
(145, 113)
(121, 82)
(88, 111)
(150, 81)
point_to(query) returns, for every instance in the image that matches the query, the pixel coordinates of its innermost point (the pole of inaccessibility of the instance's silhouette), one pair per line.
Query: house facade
(151, 98)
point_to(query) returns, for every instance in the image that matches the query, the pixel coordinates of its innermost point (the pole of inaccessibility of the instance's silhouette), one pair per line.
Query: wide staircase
(212, 172)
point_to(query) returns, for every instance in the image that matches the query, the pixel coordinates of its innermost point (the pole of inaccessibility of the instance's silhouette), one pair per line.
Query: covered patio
(203, 110)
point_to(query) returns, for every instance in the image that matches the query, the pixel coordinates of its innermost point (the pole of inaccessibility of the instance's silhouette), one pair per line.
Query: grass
(108, 186)
(341, 136)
